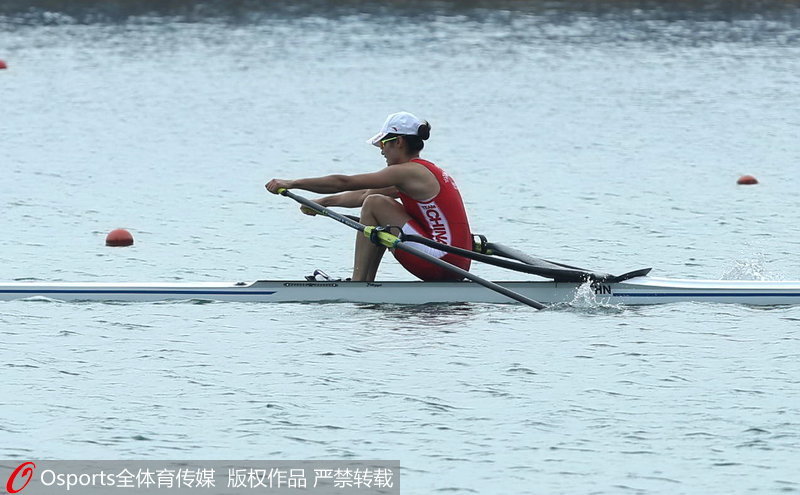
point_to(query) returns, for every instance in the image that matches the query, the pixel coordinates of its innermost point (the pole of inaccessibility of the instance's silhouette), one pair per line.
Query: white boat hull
(635, 291)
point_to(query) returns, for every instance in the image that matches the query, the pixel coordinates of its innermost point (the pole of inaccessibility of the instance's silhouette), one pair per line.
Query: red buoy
(747, 180)
(3, 64)
(119, 237)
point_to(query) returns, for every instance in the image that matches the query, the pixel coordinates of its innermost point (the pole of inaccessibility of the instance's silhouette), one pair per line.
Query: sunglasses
(384, 141)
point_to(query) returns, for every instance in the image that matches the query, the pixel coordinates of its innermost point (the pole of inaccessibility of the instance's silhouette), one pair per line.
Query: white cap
(397, 123)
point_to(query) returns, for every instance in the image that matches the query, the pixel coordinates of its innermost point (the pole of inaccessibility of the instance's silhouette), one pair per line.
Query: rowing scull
(634, 291)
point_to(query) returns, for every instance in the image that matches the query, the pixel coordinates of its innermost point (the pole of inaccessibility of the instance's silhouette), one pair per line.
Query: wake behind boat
(635, 291)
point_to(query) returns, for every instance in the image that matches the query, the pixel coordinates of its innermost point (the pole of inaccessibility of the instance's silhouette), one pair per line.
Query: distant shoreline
(111, 11)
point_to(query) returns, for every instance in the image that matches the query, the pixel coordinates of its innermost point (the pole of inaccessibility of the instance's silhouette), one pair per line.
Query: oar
(524, 263)
(534, 266)
(542, 268)
(388, 240)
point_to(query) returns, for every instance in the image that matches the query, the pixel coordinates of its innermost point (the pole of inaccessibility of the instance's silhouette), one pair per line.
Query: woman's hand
(275, 184)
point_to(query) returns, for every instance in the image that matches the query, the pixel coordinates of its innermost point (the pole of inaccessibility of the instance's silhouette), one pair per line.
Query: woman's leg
(377, 209)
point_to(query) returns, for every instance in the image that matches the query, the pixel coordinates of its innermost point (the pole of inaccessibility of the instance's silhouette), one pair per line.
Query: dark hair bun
(424, 131)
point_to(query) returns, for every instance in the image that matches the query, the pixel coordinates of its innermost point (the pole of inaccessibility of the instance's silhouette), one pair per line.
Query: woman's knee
(379, 202)
(384, 210)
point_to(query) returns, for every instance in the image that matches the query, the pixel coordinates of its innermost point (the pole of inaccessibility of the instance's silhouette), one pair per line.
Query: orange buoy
(3, 64)
(119, 237)
(747, 180)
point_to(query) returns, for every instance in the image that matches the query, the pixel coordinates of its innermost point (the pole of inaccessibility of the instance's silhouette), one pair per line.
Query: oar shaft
(464, 273)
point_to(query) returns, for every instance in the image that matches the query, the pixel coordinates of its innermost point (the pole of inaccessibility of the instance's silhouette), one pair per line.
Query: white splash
(585, 297)
(753, 268)
(586, 301)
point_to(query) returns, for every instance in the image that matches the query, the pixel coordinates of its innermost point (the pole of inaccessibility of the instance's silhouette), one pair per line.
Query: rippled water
(607, 135)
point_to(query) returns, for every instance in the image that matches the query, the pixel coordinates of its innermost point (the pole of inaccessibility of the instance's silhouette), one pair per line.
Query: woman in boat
(430, 204)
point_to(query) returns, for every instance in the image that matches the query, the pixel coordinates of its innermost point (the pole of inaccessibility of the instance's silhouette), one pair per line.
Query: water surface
(603, 134)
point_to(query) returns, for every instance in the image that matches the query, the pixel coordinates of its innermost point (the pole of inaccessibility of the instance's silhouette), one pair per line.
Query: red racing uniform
(442, 219)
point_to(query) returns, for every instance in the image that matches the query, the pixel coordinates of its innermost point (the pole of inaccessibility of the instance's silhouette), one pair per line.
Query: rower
(430, 204)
